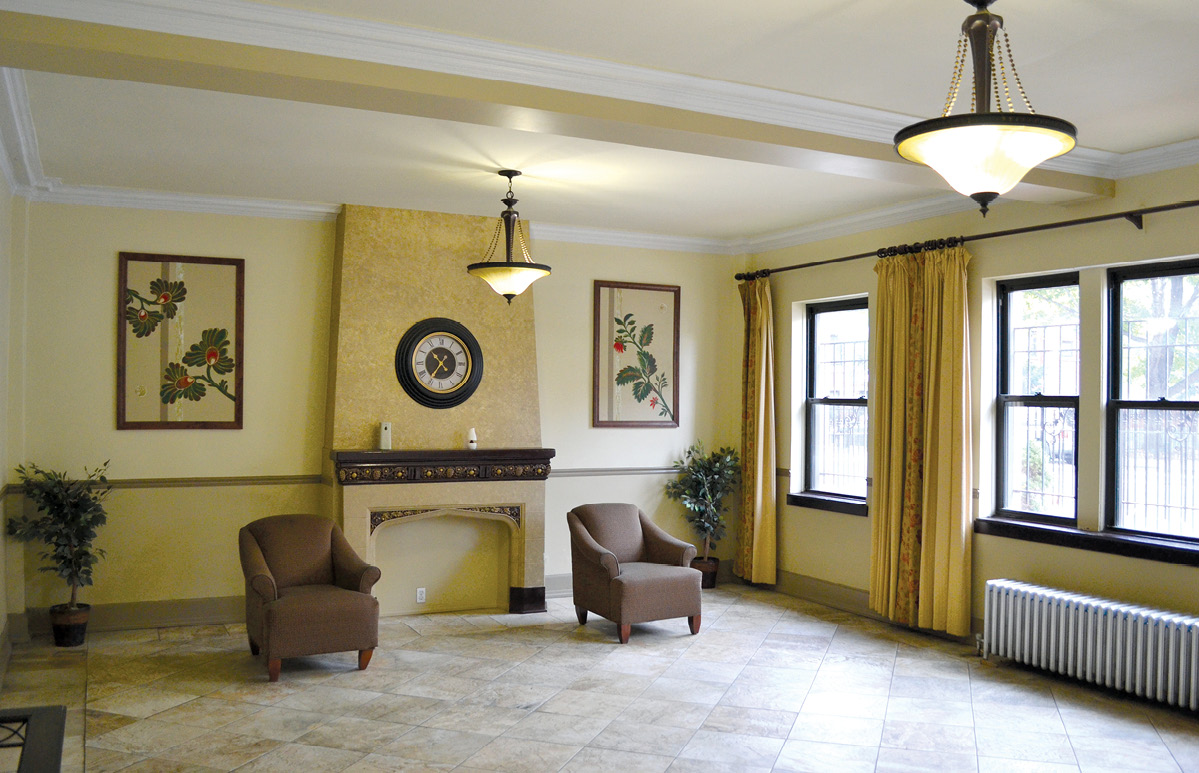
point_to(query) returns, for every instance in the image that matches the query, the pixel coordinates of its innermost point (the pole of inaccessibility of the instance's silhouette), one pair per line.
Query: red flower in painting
(619, 347)
(653, 402)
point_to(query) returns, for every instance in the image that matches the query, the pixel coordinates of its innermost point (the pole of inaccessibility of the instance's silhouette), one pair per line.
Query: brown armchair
(307, 592)
(628, 570)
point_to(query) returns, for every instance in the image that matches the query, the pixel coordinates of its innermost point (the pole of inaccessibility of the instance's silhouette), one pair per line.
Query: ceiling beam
(72, 47)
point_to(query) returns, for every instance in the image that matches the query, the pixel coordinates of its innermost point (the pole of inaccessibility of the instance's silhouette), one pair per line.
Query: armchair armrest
(253, 565)
(587, 548)
(350, 571)
(662, 548)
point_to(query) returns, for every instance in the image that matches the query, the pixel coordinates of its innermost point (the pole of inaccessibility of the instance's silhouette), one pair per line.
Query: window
(1038, 398)
(838, 376)
(1153, 410)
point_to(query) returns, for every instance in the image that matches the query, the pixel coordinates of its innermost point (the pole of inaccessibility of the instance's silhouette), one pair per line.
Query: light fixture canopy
(984, 153)
(509, 277)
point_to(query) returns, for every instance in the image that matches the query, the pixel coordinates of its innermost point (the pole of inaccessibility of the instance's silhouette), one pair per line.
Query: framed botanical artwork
(636, 368)
(180, 357)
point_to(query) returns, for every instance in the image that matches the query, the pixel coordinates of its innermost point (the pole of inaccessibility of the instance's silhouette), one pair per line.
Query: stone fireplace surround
(508, 485)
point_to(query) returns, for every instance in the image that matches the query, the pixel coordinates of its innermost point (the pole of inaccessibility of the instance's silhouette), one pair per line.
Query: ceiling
(710, 125)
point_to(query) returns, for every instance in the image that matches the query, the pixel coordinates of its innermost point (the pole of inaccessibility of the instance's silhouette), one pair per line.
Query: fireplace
(379, 490)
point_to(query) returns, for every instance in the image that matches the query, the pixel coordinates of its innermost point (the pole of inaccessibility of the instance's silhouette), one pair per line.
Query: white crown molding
(899, 214)
(181, 202)
(550, 232)
(306, 31)
(18, 141)
(1151, 160)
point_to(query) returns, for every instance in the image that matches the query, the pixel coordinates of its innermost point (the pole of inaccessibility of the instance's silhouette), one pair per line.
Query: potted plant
(703, 483)
(69, 512)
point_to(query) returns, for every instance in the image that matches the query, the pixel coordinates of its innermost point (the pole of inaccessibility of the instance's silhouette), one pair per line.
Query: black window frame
(1115, 279)
(1004, 398)
(809, 497)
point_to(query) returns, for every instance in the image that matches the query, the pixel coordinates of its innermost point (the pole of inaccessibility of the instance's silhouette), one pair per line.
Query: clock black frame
(412, 385)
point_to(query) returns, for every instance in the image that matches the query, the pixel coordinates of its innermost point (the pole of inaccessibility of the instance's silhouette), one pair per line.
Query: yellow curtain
(920, 500)
(756, 549)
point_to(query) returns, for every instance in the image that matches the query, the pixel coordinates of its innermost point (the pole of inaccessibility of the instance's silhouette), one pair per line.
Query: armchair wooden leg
(273, 667)
(625, 630)
(253, 647)
(581, 613)
(693, 623)
(364, 658)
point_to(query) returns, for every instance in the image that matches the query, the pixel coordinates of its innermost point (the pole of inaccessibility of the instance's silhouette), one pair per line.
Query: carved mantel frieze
(450, 465)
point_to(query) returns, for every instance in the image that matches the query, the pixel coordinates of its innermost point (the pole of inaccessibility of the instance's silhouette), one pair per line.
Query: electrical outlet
(420, 595)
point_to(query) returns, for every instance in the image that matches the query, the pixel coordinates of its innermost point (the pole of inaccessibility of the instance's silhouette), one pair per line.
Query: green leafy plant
(644, 377)
(144, 318)
(69, 512)
(703, 483)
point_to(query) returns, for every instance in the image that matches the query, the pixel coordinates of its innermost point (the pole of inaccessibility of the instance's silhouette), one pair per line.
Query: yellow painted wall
(710, 381)
(397, 267)
(169, 543)
(836, 548)
(7, 204)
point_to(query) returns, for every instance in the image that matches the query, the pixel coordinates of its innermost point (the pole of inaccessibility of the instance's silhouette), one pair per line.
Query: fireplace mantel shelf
(442, 465)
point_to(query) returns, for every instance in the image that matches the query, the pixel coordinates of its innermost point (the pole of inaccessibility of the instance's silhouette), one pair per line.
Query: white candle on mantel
(472, 440)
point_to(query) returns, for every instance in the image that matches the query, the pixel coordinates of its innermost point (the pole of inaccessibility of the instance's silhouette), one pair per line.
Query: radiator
(1147, 652)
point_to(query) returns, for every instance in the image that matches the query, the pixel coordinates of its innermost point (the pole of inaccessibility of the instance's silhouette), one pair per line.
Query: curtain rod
(1134, 216)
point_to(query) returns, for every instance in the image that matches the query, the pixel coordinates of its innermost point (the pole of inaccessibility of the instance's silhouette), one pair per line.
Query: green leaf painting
(145, 312)
(646, 382)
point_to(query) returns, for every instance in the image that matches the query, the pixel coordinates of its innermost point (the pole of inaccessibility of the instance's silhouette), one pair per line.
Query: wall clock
(439, 363)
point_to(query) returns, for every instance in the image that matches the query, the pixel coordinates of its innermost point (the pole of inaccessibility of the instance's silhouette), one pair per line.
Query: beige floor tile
(959, 713)
(1122, 754)
(924, 736)
(996, 765)
(512, 695)
(436, 745)
(1022, 745)
(290, 758)
(154, 765)
(732, 747)
(97, 760)
(807, 756)
(891, 760)
(845, 704)
(587, 704)
(829, 728)
(220, 750)
(209, 713)
(327, 699)
(768, 723)
(641, 738)
(146, 737)
(354, 734)
(593, 760)
(668, 713)
(381, 763)
(488, 720)
(518, 755)
(557, 728)
(687, 690)
(405, 709)
(98, 723)
(278, 724)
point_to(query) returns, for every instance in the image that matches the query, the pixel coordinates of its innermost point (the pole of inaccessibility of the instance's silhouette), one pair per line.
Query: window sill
(831, 502)
(1162, 549)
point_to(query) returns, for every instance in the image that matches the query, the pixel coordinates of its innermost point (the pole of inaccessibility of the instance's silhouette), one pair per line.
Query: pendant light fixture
(509, 277)
(984, 153)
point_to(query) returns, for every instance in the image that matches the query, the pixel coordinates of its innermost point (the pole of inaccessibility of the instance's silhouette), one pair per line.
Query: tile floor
(771, 682)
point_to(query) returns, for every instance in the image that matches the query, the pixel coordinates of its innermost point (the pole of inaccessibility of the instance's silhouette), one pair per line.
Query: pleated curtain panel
(920, 501)
(756, 556)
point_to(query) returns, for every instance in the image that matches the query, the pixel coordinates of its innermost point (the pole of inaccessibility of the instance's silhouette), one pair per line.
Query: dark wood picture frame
(210, 367)
(632, 383)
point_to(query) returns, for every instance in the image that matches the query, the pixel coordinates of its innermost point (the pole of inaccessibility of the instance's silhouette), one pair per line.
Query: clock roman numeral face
(441, 362)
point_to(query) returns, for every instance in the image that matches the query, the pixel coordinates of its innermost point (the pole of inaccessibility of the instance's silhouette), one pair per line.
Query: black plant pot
(709, 567)
(69, 625)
